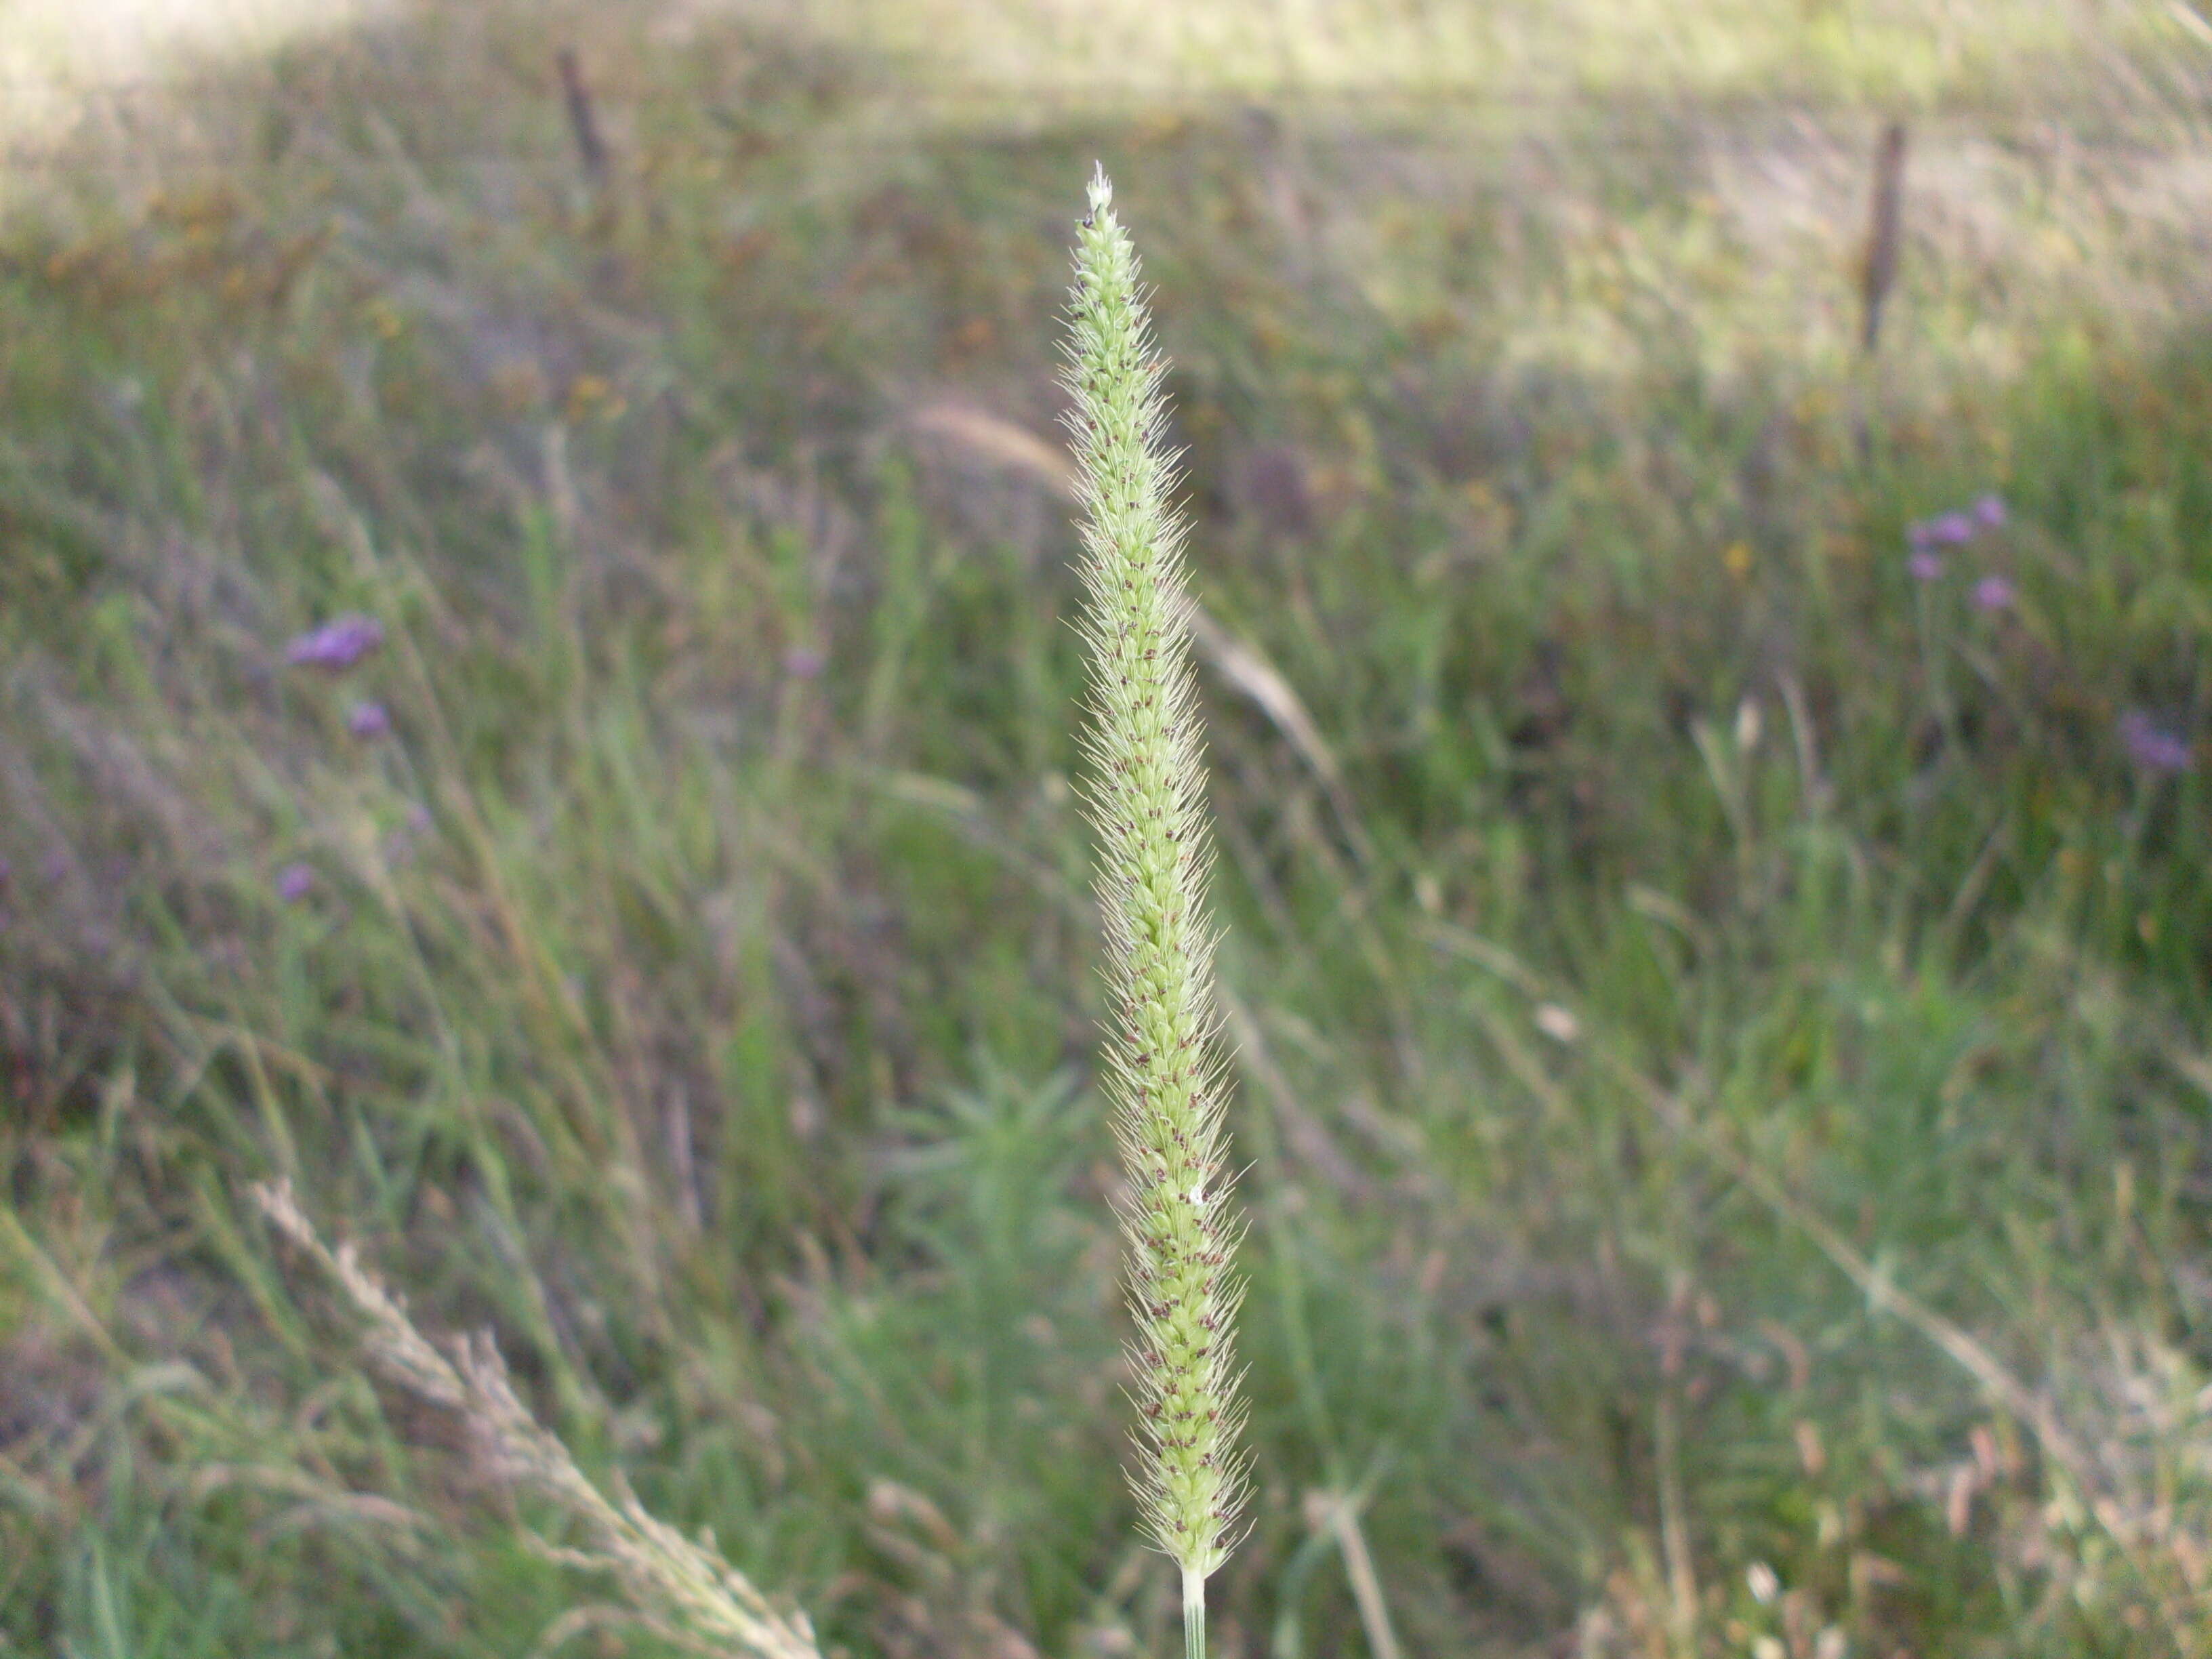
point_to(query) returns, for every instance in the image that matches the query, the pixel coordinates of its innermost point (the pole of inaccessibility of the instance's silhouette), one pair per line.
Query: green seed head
(1143, 792)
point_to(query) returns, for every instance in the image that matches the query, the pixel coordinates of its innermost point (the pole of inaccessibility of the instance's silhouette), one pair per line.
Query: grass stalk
(1163, 1068)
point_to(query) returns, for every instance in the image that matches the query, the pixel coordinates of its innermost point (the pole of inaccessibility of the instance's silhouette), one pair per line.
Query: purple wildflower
(2151, 748)
(1925, 564)
(1956, 529)
(369, 719)
(337, 644)
(295, 882)
(1994, 593)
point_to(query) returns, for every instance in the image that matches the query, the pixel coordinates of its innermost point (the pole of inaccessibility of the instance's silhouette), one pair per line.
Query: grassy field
(1716, 948)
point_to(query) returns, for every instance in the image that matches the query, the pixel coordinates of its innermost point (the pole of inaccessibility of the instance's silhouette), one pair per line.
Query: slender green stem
(1194, 1615)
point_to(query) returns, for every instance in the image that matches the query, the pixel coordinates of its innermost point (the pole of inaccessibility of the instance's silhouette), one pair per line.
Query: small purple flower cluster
(337, 645)
(2152, 748)
(1929, 537)
(1994, 593)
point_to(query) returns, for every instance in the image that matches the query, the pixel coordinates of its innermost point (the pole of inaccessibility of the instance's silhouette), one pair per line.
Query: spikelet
(1144, 794)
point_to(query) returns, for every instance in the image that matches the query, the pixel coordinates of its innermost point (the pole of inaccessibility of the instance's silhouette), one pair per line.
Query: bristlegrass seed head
(1144, 795)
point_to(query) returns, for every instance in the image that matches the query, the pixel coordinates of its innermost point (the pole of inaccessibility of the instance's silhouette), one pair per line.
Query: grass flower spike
(1144, 796)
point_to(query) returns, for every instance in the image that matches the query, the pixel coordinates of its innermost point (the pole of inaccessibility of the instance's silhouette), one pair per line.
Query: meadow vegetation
(538, 707)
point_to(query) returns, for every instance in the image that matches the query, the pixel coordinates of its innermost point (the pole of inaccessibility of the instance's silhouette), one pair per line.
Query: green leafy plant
(1144, 797)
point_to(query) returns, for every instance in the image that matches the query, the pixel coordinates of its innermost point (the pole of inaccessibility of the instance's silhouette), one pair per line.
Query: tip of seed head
(1102, 189)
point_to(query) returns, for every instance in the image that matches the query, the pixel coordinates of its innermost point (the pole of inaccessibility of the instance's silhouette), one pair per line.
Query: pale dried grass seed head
(680, 1589)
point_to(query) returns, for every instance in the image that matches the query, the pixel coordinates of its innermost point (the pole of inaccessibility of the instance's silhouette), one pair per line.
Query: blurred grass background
(1720, 1017)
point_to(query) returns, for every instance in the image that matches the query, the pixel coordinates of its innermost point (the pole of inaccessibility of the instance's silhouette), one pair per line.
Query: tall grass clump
(1164, 1074)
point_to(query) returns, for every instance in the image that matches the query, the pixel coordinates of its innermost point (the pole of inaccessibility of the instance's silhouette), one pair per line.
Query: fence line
(236, 83)
(1738, 121)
